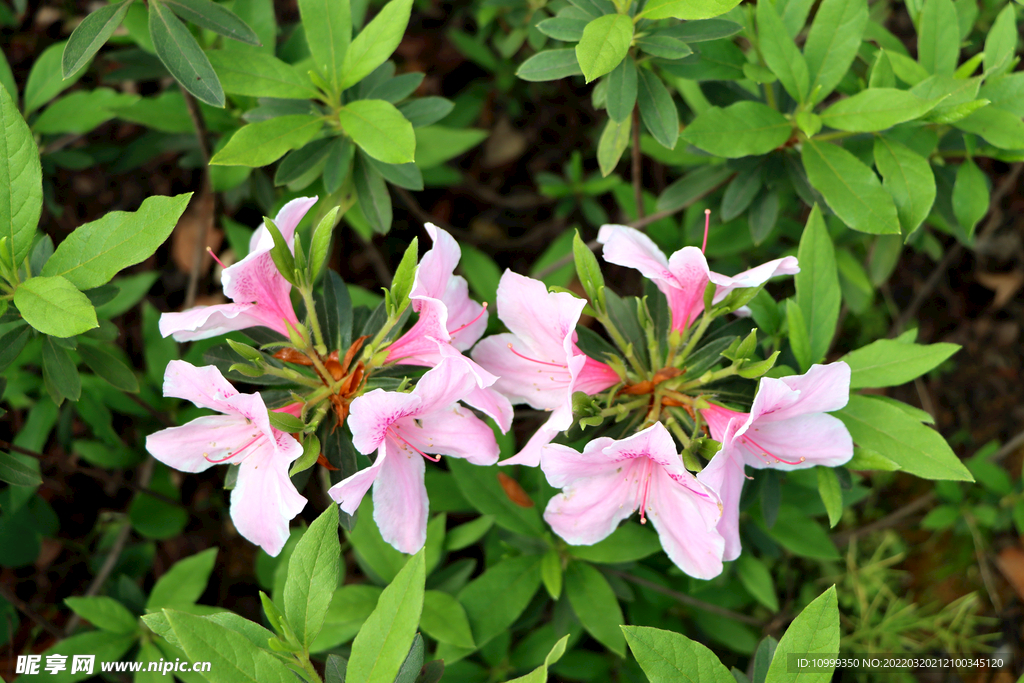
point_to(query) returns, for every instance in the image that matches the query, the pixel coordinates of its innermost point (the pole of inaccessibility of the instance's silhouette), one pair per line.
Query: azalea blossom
(611, 479)
(684, 276)
(259, 292)
(787, 428)
(406, 429)
(538, 362)
(264, 499)
(449, 323)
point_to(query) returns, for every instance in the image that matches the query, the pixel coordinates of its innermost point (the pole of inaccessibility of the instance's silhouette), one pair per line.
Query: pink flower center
(258, 437)
(765, 454)
(394, 433)
(534, 360)
(478, 316)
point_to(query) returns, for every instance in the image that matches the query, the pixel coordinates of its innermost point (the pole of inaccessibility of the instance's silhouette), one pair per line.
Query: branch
(205, 203)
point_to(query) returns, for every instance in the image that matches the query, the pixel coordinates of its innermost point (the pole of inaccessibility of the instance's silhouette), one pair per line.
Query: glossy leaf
(741, 129)
(850, 188)
(54, 306)
(781, 53)
(890, 363)
(876, 109)
(184, 582)
(604, 45)
(182, 56)
(495, 599)
(970, 195)
(313, 572)
(614, 140)
(815, 631)
(668, 657)
(21, 175)
(909, 179)
(621, 96)
(263, 143)
(16, 473)
(938, 37)
(375, 42)
(214, 17)
(46, 78)
(380, 130)
(817, 286)
(595, 605)
(444, 619)
(1002, 128)
(657, 110)
(90, 35)
(687, 9)
(328, 28)
(550, 65)
(259, 75)
(832, 43)
(372, 193)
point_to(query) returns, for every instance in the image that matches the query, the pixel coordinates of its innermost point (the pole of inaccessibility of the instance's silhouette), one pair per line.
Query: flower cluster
(660, 413)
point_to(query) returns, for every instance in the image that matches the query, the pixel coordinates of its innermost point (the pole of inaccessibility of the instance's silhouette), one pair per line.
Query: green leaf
(799, 534)
(742, 129)
(318, 253)
(184, 582)
(1006, 92)
(799, 337)
(379, 129)
(313, 571)
(550, 65)
(7, 77)
(383, 642)
(104, 646)
(668, 657)
(882, 75)
(817, 286)
(1001, 42)
(832, 43)
(263, 143)
(21, 175)
(406, 175)
(693, 186)
(89, 36)
(628, 543)
(444, 619)
(831, 495)
(182, 56)
(614, 141)
(104, 613)
(424, 111)
(664, 46)
(480, 487)
(372, 193)
(896, 435)
(155, 518)
(876, 109)
(781, 53)
(565, 29)
(17, 473)
(756, 578)
(850, 188)
(54, 306)
(259, 75)
(1002, 128)
(481, 272)
(233, 658)
(657, 110)
(686, 9)
(96, 251)
(81, 111)
(889, 363)
(909, 179)
(214, 17)
(815, 631)
(108, 366)
(595, 605)
(437, 144)
(938, 37)
(300, 162)
(621, 95)
(540, 674)
(551, 573)
(350, 607)
(970, 195)
(328, 27)
(604, 44)
(46, 79)
(375, 42)
(495, 599)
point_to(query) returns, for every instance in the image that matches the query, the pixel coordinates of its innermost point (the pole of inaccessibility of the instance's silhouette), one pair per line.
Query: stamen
(231, 455)
(772, 455)
(402, 439)
(479, 315)
(646, 490)
(210, 251)
(534, 360)
(707, 225)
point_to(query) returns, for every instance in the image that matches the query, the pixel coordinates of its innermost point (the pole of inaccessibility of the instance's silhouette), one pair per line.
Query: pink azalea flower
(787, 428)
(405, 429)
(683, 277)
(449, 323)
(259, 292)
(611, 479)
(538, 362)
(264, 499)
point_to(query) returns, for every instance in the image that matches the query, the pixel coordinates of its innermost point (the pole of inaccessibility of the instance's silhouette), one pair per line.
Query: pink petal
(654, 442)
(371, 415)
(455, 432)
(204, 386)
(198, 445)
(443, 385)
(203, 322)
(686, 523)
(823, 388)
(349, 492)
(590, 508)
(491, 403)
(685, 292)
(264, 499)
(532, 453)
(724, 475)
(467, 320)
(437, 265)
(523, 381)
(419, 344)
(400, 501)
(755, 277)
(256, 280)
(541, 320)
(286, 220)
(818, 438)
(594, 377)
(625, 246)
(563, 465)
(718, 419)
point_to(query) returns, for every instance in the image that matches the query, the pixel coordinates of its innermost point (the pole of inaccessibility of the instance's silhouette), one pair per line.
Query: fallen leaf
(1011, 564)
(1005, 285)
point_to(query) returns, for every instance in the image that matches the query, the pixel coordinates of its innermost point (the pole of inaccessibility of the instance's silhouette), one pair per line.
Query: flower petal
(563, 465)
(541, 320)
(204, 386)
(264, 499)
(200, 444)
(818, 438)
(724, 475)
(455, 432)
(400, 501)
(625, 246)
(203, 322)
(823, 388)
(373, 413)
(256, 280)
(755, 277)
(467, 320)
(286, 220)
(349, 492)
(443, 385)
(685, 291)
(590, 508)
(532, 453)
(687, 524)
(493, 404)
(539, 385)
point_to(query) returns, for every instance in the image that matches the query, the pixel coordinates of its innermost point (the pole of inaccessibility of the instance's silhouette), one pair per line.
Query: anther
(707, 225)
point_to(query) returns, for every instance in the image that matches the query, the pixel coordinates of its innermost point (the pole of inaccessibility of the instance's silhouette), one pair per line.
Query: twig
(377, 262)
(160, 417)
(205, 204)
(1007, 448)
(145, 474)
(686, 599)
(889, 520)
(986, 572)
(8, 594)
(637, 172)
(518, 202)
